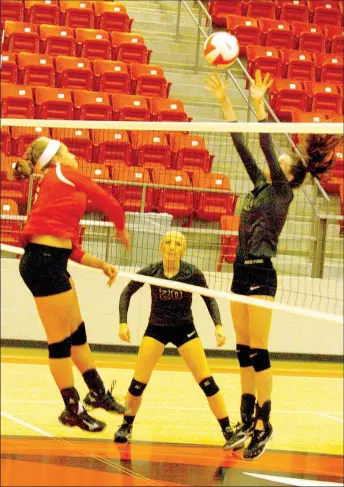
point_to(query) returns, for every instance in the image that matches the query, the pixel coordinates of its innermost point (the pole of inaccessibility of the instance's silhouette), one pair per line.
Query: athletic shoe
(123, 434)
(83, 420)
(258, 443)
(106, 401)
(236, 438)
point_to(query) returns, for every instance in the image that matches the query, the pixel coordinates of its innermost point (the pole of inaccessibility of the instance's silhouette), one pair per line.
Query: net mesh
(188, 177)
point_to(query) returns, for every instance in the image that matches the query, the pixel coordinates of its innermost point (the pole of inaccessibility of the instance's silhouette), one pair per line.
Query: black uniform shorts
(254, 277)
(178, 335)
(44, 269)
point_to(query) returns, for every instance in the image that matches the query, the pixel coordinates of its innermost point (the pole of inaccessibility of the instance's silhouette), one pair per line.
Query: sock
(263, 413)
(94, 381)
(128, 420)
(247, 407)
(71, 399)
(224, 422)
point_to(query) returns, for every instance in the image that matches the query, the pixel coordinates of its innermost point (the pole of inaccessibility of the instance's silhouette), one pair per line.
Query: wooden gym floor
(176, 440)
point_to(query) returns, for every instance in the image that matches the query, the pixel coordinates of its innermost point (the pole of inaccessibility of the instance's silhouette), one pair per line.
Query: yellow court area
(307, 413)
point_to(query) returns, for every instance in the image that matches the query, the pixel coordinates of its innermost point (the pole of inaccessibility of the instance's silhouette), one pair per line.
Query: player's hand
(220, 336)
(110, 271)
(124, 332)
(259, 86)
(124, 237)
(215, 85)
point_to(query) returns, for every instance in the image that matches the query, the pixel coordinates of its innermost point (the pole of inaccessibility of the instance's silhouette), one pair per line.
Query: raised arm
(220, 91)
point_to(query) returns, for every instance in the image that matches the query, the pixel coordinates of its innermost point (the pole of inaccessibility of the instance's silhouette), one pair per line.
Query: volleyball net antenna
(188, 177)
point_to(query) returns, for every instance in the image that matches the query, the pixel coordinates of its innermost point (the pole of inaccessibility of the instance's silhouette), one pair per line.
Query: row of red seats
(98, 14)
(323, 12)
(149, 149)
(82, 74)
(281, 34)
(288, 95)
(293, 64)
(21, 101)
(90, 43)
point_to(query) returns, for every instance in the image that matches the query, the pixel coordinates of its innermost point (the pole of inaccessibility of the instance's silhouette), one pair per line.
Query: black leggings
(44, 269)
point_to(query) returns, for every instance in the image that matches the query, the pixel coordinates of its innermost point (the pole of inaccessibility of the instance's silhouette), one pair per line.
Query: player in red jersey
(50, 238)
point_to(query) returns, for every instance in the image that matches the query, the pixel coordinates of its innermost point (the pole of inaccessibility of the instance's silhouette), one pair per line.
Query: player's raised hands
(215, 85)
(259, 86)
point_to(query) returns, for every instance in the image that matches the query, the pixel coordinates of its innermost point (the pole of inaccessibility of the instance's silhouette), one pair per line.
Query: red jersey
(60, 203)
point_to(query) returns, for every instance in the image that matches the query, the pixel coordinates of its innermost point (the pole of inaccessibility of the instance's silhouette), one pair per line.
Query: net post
(178, 20)
(29, 194)
(319, 254)
(107, 244)
(198, 39)
(143, 199)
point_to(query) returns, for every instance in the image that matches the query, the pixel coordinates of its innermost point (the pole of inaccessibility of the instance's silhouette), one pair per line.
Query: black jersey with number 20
(170, 307)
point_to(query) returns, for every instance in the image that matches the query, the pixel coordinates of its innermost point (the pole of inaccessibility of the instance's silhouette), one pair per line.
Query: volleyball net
(188, 177)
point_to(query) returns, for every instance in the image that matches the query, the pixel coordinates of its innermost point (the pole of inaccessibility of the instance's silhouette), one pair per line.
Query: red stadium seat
(23, 136)
(286, 96)
(148, 80)
(308, 37)
(130, 107)
(11, 10)
(5, 141)
(264, 58)
(17, 101)
(9, 229)
(178, 203)
(297, 64)
(56, 40)
(15, 190)
(77, 13)
(245, 29)
(93, 43)
(20, 37)
(334, 39)
(293, 11)
(149, 149)
(261, 9)
(229, 243)
(54, 103)
(323, 97)
(130, 196)
(74, 73)
(329, 67)
(211, 206)
(92, 105)
(36, 69)
(276, 33)
(189, 153)
(78, 141)
(325, 13)
(163, 109)
(42, 12)
(111, 76)
(308, 117)
(129, 48)
(112, 16)
(9, 68)
(111, 146)
(220, 9)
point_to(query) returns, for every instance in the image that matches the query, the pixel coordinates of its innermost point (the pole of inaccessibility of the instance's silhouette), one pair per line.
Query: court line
(182, 408)
(69, 444)
(325, 415)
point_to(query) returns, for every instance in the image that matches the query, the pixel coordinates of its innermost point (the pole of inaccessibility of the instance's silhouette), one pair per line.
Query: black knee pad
(136, 388)
(209, 386)
(60, 349)
(260, 359)
(243, 354)
(79, 335)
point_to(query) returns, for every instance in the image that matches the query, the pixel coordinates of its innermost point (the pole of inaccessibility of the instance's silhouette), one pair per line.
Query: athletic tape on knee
(136, 388)
(243, 354)
(60, 349)
(79, 335)
(209, 386)
(260, 359)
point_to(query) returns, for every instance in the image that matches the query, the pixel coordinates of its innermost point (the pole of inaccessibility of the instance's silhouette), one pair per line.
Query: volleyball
(221, 49)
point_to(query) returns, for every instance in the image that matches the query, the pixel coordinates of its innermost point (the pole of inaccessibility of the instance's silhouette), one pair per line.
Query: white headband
(49, 152)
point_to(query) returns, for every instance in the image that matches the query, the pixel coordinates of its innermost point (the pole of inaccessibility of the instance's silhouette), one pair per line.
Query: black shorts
(178, 335)
(254, 276)
(44, 269)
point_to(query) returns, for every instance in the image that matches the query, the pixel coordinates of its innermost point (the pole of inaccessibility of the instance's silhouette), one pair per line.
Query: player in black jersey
(171, 321)
(262, 218)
